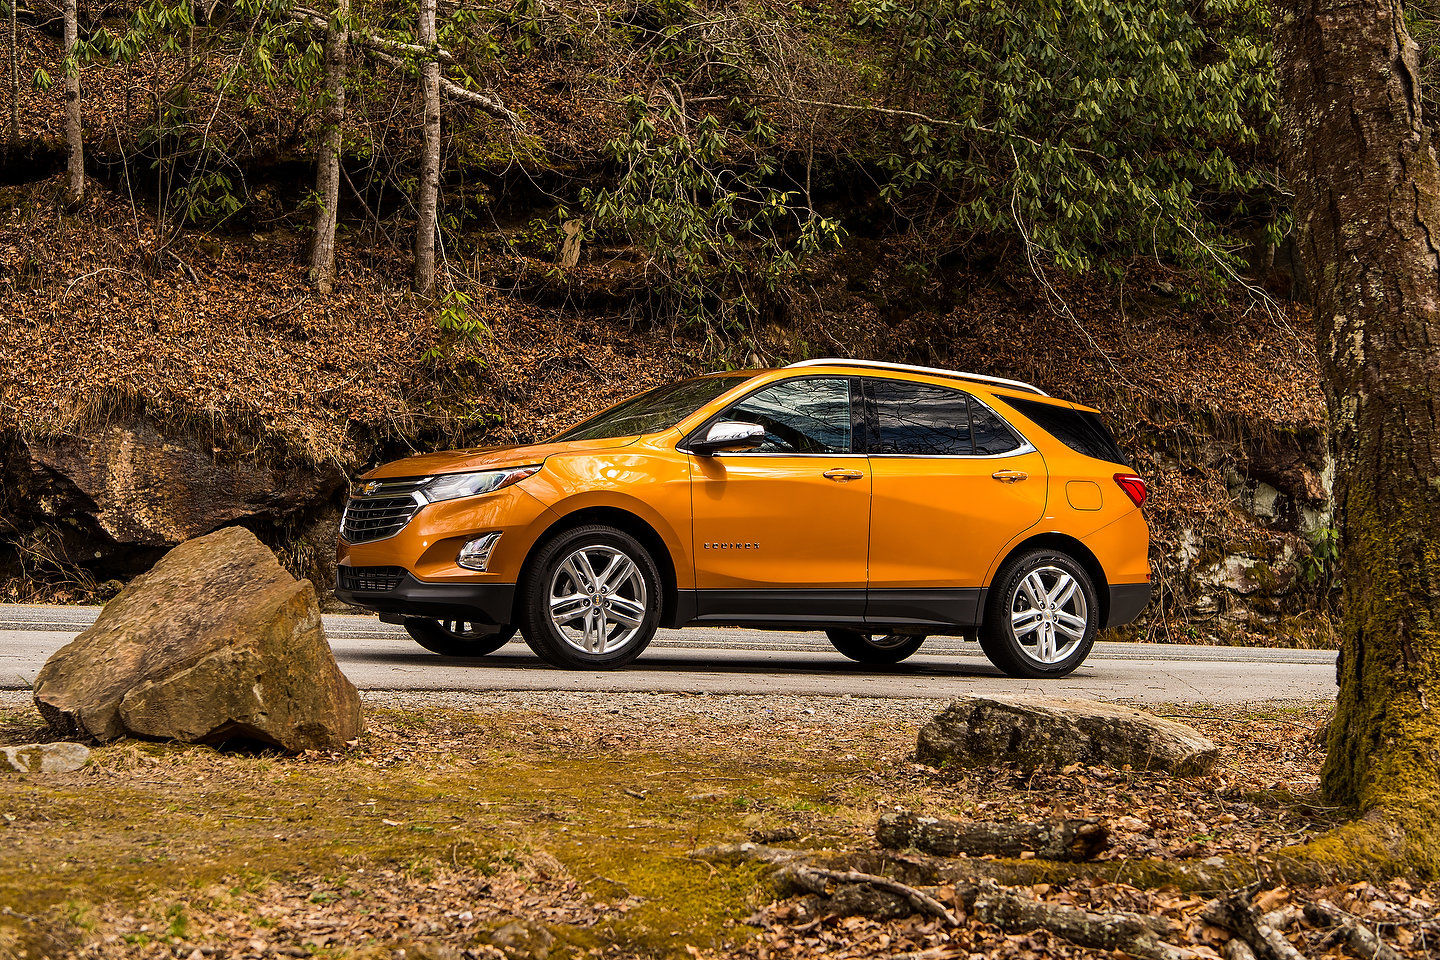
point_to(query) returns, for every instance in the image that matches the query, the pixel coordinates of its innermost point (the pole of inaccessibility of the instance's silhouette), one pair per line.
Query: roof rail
(933, 371)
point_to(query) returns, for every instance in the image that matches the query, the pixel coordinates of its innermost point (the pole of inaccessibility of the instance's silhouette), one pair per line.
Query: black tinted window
(918, 419)
(654, 410)
(1080, 430)
(991, 435)
(799, 416)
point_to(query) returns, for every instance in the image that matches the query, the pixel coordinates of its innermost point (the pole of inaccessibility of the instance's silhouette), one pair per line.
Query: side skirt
(944, 610)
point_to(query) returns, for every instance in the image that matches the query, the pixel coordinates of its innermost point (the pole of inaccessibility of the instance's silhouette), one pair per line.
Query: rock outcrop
(59, 757)
(216, 642)
(1044, 732)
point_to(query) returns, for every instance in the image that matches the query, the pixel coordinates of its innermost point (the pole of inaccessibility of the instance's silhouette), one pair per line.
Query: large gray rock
(216, 642)
(44, 757)
(1044, 732)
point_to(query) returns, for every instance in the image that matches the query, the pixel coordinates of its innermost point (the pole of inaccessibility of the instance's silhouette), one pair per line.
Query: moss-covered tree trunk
(1367, 219)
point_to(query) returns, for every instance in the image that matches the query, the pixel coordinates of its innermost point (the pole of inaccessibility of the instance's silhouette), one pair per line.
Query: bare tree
(426, 202)
(327, 173)
(1367, 219)
(75, 164)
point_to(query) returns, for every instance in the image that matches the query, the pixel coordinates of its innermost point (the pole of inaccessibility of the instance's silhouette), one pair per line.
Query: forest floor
(452, 833)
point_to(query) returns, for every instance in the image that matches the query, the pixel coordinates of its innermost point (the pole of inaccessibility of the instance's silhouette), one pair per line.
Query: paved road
(377, 656)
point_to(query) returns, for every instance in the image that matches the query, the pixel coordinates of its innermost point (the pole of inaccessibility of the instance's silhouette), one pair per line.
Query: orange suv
(878, 502)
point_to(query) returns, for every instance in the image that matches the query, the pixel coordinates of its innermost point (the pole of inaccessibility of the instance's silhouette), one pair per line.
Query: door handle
(842, 474)
(1010, 476)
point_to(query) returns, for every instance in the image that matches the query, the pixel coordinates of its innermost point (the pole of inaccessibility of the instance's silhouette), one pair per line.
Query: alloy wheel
(1048, 614)
(597, 599)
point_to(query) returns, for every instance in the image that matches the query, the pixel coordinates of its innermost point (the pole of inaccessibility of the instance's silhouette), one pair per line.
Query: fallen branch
(818, 880)
(1234, 913)
(1237, 949)
(1363, 941)
(1133, 933)
(1058, 840)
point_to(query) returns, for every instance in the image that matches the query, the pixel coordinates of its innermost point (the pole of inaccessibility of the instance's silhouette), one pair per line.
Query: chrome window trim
(1025, 448)
(789, 456)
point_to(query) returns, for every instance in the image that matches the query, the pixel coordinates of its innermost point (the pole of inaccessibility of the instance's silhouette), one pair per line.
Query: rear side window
(992, 435)
(918, 419)
(1080, 430)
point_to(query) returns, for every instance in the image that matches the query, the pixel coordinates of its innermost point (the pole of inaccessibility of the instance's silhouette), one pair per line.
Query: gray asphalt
(380, 657)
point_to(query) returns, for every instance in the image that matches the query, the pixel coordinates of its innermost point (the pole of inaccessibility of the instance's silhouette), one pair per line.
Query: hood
(485, 458)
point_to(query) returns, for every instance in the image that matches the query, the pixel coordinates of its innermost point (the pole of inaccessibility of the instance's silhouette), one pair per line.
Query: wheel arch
(1075, 550)
(621, 519)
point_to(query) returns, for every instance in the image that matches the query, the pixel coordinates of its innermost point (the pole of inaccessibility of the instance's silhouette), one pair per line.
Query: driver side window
(809, 415)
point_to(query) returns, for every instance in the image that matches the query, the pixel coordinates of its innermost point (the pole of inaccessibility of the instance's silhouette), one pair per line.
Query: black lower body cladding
(476, 602)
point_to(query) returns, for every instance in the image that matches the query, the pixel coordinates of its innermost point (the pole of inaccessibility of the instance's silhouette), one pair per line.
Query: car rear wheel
(591, 599)
(1041, 617)
(457, 638)
(876, 648)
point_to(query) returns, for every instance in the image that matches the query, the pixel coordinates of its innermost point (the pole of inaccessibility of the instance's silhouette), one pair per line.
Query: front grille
(382, 512)
(370, 579)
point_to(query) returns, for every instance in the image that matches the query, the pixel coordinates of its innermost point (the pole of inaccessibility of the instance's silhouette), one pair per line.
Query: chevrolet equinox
(878, 502)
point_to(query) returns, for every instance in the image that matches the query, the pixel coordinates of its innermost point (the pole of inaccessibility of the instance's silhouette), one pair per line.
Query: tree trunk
(327, 172)
(426, 202)
(75, 164)
(14, 139)
(1367, 220)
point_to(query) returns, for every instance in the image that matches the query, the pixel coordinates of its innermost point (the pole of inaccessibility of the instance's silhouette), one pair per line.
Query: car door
(952, 484)
(781, 531)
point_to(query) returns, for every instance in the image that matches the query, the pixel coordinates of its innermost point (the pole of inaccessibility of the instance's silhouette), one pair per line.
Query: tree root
(1054, 840)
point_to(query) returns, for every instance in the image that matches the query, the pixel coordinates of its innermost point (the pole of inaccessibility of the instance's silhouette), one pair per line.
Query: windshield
(654, 410)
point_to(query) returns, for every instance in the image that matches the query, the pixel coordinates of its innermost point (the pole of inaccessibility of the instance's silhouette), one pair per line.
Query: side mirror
(727, 435)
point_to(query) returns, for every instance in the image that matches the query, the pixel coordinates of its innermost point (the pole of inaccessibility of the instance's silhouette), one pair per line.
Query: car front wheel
(1041, 617)
(457, 638)
(874, 648)
(591, 599)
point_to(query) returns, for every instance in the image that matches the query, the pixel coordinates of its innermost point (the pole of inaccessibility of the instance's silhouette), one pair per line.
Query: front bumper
(1127, 602)
(474, 602)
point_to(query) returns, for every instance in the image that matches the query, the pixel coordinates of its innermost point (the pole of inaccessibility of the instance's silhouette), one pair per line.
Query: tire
(1038, 646)
(451, 638)
(630, 589)
(874, 648)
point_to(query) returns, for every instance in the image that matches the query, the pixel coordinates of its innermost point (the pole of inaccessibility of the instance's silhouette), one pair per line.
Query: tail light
(1133, 486)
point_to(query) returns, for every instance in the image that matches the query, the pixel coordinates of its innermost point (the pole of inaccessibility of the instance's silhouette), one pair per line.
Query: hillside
(165, 373)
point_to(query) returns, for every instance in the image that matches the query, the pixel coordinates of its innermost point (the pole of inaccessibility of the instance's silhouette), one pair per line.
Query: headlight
(454, 485)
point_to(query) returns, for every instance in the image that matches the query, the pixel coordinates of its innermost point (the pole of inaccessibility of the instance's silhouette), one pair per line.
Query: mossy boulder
(217, 642)
(1042, 732)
